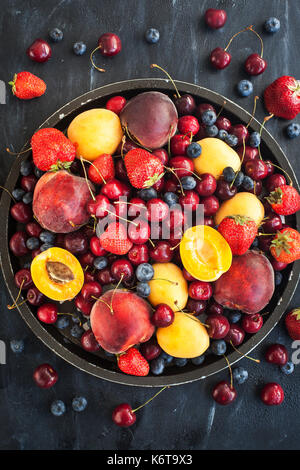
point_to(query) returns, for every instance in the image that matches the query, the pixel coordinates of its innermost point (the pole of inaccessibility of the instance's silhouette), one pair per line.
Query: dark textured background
(183, 417)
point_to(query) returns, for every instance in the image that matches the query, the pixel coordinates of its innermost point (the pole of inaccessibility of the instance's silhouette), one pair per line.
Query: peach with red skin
(59, 201)
(127, 324)
(248, 285)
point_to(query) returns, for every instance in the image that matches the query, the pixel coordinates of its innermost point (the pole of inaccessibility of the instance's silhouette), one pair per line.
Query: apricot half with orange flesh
(205, 253)
(57, 274)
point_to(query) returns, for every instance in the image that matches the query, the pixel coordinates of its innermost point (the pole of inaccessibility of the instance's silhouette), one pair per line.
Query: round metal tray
(69, 348)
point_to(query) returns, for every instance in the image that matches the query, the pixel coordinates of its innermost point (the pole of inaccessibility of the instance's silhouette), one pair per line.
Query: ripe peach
(120, 319)
(151, 118)
(59, 201)
(248, 285)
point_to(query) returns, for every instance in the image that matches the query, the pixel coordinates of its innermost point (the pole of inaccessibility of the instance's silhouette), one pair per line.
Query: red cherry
(84, 306)
(176, 219)
(278, 265)
(264, 243)
(189, 201)
(215, 18)
(218, 326)
(113, 189)
(200, 290)
(274, 181)
(76, 242)
(179, 143)
(185, 104)
(223, 123)
(39, 51)
(35, 297)
(207, 185)
(223, 393)
(251, 153)
(104, 277)
(120, 169)
(161, 252)
(224, 190)
(122, 269)
(36, 252)
(171, 185)
(139, 233)
(159, 185)
(86, 259)
(209, 221)
(96, 248)
(162, 154)
(277, 354)
(186, 274)
(109, 44)
(158, 210)
(210, 205)
(182, 166)
(33, 229)
(255, 64)
(90, 290)
(235, 335)
(257, 188)
(45, 376)
(252, 323)
(188, 125)
(219, 58)
(99, 206)
(215, 309)
(89, 342)
(150, 350)
(89, 276)
(273, 224)
(196, 307)
(270, 167)
(21, 212)
(241, 132)
(138, 254)
(137, 208)
(124, 148)
(272, 394)
(163, 316)
(204, 107)
(116, 104)
(256, 169)
(17, 244)
(28, 183)
(123, 415)
(47, 313)
(23, 278)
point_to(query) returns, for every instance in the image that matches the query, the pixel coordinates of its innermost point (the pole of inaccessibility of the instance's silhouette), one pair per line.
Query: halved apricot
(205, 253)
(57, 274)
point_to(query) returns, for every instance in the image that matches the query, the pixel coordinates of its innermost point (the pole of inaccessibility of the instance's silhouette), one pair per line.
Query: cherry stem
(8, 192)
(230, 371)
(105, 303)
(122, 218)
(244, 355)
(10, 307)
(177, 177)
(91, 163)
(17, 153)
(135, 140)
(221, 109)
(112, 297)
(261, 41)
(169, 76)
(266, 119)
(92, 60)
(122, 146)
(253, 111)
(86, 179)
(175, 246)
(244, 150)
(236, 34)
(148, 401)
(279, 167)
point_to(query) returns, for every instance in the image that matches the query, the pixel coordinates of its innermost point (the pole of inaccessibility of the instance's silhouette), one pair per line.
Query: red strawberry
(26, 86)
(133, 363)
(292, 323)
(239, 232)
(285, 246)
(285, 200)
(102, 169)
(282, 97)
(143, 168)
(51, 149)
(115, 239)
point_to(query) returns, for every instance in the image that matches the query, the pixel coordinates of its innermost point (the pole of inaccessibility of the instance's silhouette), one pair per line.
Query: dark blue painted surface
(184, 417)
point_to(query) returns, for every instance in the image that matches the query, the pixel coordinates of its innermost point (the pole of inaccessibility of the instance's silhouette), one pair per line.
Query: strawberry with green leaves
(143, 168)
(115, 239)
(292, 323)
(26, 86)
(282, 97)
(52, 150)
(133, 363)
(285, 246)
(285, 200)
(239, 231)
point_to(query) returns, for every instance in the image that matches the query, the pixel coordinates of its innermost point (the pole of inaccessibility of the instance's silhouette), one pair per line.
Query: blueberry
(18, 193)
(231, 140)
(180, 361)
(272, 25)
(157, 366)
(76, 319)
(255, 243)
(248, 183)
(211, 131)
(228, 174)
(38, 173)
(25, 168)
(240, 375)
(79, 48)
(188, 182)
(100, 262)
(27, 198)
(144, 272)
(46, 246)
(47, 237)
(278, 278)
(79, 404)
(76, 331)
(218, 347)
(17, 345)
(62, 322)
(254, 139)
(288, 368)
(32, 243)
(194, 150)
(56, 35)
(245, 88)
(198, 360)
(58, 408)
(147, 194)
(239, 178)
(143, 289)
(222, 134)
(234, 316)
(27, 265)
(170, 198)
(208, 117)
(152, 35)
(166, 357)
(293, 130)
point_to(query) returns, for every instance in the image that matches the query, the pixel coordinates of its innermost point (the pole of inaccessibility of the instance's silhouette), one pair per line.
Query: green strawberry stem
(296, 313)
(148, 401)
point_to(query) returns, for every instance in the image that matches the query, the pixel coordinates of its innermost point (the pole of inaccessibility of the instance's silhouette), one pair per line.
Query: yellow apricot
(241, 204)
(168, 286)
(95, 132)
(215, 156)
(186, 337)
